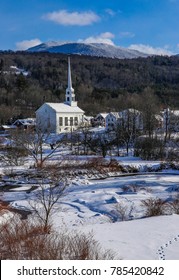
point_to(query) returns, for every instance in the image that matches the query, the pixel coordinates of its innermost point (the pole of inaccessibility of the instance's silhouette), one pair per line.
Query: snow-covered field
(155, 238)
(90, 206)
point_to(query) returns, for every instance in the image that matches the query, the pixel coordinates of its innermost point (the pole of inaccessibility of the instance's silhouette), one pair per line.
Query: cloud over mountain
(64, 17)
(151, 50)
(104, 38)
(24, 45)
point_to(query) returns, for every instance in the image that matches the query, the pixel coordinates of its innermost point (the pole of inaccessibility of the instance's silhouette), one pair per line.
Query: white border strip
(83, 270)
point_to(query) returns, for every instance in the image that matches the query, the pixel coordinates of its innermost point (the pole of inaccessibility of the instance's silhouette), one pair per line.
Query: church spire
(70, 96)
(69, 75)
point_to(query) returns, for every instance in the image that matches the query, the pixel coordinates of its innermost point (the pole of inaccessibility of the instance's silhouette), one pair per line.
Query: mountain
(93, 49)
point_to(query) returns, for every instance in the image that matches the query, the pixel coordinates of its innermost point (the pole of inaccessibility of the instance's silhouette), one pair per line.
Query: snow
(90, 206)
(145, 239)
(5, 215)
(94, 49)
(18, 71)
(64, 108)
(137, 162)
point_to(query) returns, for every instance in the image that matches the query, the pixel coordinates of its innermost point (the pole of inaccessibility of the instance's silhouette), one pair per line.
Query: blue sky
(150, 26)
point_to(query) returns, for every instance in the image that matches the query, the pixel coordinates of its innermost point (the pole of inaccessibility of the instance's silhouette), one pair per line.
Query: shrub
(123, 211)
(174, 205)
(27, 240)
(154, 207)
(149, 148)
(13, 155)
(115, 166)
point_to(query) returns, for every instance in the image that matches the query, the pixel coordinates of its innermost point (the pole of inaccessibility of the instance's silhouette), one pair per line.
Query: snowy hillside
(90, 206)
(154, 238)
(93, 49)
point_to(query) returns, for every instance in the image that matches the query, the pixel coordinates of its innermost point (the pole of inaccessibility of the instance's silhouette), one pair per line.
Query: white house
(60, 117)
(28, 123)
(100, 119)
(111, 120)
(127, 118)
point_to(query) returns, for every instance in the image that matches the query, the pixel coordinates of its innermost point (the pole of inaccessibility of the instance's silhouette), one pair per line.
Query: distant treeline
(101, 84)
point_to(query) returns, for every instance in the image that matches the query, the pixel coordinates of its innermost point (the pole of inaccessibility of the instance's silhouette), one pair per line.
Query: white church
(60, 117)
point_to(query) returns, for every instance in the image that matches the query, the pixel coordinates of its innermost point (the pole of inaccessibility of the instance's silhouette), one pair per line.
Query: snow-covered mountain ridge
(93, 49)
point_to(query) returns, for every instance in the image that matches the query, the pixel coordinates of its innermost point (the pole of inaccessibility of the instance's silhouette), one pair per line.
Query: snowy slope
(89, 206)
(93, 49)
(155, 238)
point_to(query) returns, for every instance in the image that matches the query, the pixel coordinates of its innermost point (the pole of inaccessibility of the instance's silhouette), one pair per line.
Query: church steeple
(70, 96)
(69, 75)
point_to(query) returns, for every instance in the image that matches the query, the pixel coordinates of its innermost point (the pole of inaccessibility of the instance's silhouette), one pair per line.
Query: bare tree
(166, 125)
(45, 201)
(100, 143)
(171, 123)
(149, 148)
(124, 211)
(86, 137)
(149, 107)
(127, 129)
(33, 142)
(172, 149)
(124, 137)
(11, 155)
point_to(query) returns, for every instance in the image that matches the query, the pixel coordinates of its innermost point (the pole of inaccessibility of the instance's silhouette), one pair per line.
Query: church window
(71, 121)
(66, 121)
(68, 99)
(76, 120)
(60, 121)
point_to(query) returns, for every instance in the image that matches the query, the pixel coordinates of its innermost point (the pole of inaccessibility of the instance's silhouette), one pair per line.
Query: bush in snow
(174, 205)
(13, 155)
(22, 239)
(154, 207)
(149, 148)
(123, 211)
